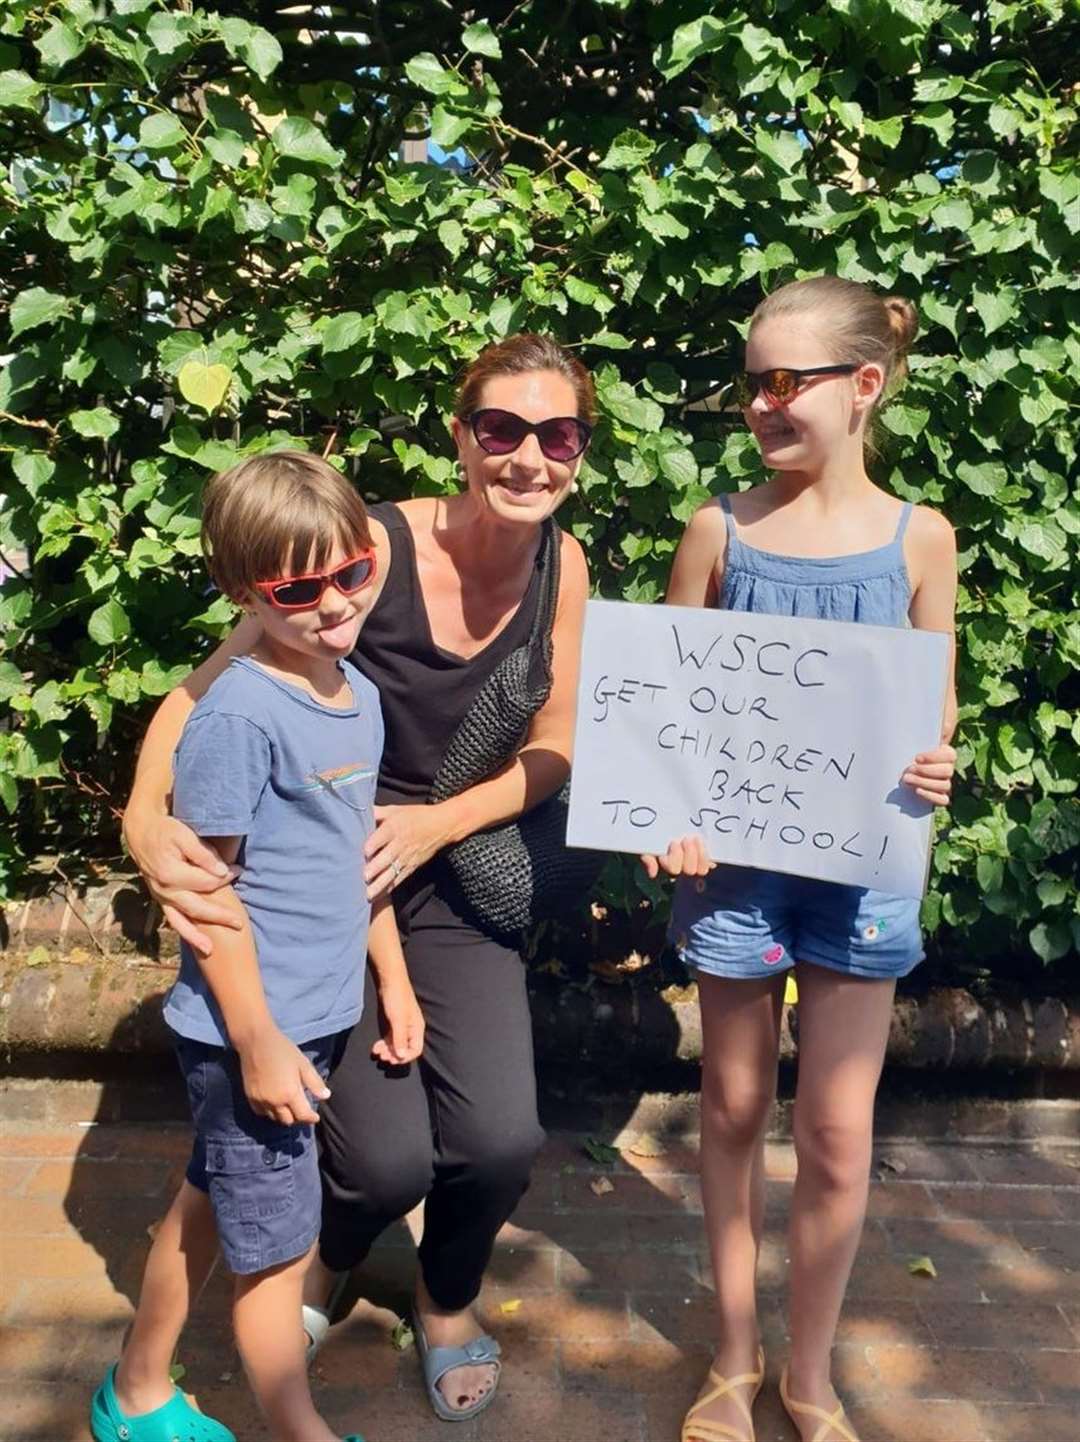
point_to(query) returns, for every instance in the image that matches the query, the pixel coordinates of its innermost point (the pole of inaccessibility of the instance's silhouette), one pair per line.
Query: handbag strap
(493, 728)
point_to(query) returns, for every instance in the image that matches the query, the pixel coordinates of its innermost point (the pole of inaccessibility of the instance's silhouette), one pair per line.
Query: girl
(818, 539)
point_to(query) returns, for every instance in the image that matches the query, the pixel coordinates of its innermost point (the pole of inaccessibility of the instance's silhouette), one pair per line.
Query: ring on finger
(395, 870)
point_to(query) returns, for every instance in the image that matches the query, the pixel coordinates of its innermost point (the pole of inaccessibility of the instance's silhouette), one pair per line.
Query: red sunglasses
(301, 593)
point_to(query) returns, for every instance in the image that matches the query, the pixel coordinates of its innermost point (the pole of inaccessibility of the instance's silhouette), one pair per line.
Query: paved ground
(601, 1301)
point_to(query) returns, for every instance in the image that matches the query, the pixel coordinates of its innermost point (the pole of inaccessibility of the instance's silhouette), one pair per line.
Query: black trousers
(458, 1129)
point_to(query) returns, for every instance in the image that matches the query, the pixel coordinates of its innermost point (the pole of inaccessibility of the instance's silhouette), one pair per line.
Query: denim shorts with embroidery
(262, 1178)
(741, 922)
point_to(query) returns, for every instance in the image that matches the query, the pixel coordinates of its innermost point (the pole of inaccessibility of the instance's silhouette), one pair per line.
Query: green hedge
(211, 243)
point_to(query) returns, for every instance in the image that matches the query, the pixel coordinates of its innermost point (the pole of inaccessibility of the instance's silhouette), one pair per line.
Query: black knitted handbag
(522, 871)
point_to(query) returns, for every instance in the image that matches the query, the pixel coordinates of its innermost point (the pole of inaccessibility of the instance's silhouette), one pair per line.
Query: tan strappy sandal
(834, 1425)
(702, 1431)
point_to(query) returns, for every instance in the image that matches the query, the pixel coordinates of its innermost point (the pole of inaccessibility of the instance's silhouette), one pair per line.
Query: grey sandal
(316, 1320)
(435, 1362)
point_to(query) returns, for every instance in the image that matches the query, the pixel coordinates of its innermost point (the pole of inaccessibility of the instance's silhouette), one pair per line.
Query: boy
(276, 769)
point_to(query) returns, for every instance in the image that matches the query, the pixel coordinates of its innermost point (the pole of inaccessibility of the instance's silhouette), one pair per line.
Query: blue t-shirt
(261, 759)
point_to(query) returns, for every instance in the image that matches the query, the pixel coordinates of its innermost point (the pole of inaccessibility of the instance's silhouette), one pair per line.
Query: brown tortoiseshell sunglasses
(782, 383)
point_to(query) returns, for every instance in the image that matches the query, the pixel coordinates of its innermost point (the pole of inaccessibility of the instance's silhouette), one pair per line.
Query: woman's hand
(181, 872)
(405, 837)
(685, 857)
(930, 775)
(402, 1040)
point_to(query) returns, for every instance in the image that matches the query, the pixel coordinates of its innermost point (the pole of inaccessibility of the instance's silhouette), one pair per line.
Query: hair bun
(903, 319)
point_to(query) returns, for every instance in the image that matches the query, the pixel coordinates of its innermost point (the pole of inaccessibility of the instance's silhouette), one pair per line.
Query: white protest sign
(779, 740)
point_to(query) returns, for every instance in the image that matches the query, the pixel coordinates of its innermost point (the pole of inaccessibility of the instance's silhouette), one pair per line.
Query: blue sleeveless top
(869, 586)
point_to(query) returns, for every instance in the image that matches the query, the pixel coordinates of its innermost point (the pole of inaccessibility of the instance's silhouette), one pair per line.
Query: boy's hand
(930, 775)
(403, 1039)
(685, 857)
(277, 1076)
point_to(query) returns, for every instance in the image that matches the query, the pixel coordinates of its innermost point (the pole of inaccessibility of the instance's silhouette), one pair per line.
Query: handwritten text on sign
(779, 740)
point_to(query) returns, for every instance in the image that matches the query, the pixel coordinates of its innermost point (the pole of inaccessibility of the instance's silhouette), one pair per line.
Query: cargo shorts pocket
(250, 1180)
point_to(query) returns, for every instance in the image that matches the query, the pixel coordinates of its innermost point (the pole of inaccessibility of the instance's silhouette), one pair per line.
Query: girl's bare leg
(740, 1044)
(271, 1346)
(179, 1263)
(843, 1030)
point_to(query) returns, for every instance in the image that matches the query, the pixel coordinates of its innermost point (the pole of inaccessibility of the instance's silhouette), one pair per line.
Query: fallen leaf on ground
(568, 1169)
(922, 1267)
(646, 1145)
(601, 1152)
(401, 1338)
(601, 1186)
(509, 1308)
(893, 1164)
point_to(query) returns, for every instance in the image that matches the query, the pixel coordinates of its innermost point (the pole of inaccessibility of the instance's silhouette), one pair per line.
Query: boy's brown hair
(278, 514)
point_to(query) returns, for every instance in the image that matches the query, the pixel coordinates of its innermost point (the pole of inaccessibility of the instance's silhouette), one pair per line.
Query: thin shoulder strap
(548, 561)
(729, 517)
(902, 523)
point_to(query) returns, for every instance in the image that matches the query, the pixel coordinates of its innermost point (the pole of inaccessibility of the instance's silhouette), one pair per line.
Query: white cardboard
(780, 740)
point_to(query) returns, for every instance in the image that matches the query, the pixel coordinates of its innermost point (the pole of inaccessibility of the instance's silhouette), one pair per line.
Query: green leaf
(96, 424)
(426, 71)
(19, 92)
(158, 132)
(261, 52)
(298, 139)
(954, 214)
(905, 420)
(985, 479)
(629, 150)
(480, 39)
(167, 31)
(447, 128)
(452, 236)
(994, 307)
(59, 44)
(204, 385)
(36, 307)
(33, 469)
(11, 681)
(688, 43)
(1050, 940)
(600, 1152)
(109, 624)
(226, 147)
(1041, 406)
(679, 466)
(780, 147)
(626, 405)
(345, 331)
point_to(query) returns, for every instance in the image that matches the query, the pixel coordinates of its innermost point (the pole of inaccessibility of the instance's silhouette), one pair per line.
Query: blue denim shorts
(262, 1177)
(741, 922)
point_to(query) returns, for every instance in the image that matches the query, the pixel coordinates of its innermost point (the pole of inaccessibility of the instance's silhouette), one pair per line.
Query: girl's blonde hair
(858, 325)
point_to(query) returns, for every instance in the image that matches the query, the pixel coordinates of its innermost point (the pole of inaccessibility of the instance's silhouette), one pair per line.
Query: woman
(461, 585)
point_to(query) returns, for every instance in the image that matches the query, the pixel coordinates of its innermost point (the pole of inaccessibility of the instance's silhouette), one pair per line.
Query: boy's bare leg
(179, 1263)
(271, 1346)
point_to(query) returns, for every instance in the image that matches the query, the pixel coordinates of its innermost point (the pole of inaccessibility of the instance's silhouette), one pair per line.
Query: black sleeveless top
(425, 691)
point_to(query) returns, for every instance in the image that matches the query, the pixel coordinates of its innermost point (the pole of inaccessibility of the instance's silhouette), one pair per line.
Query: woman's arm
(176, 864)
(932, 566)
(410, 835)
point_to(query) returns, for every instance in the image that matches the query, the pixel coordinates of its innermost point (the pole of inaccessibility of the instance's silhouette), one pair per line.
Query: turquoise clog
(177, 1421)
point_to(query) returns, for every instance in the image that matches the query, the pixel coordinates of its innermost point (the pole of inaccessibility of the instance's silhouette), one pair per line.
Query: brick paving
(601, 1302)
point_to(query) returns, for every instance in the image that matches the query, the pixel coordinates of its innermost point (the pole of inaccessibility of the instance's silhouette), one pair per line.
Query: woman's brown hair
(518, 355)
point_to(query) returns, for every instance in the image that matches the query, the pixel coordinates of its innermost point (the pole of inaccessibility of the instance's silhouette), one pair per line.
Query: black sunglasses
(562, 438)
(781, 383)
